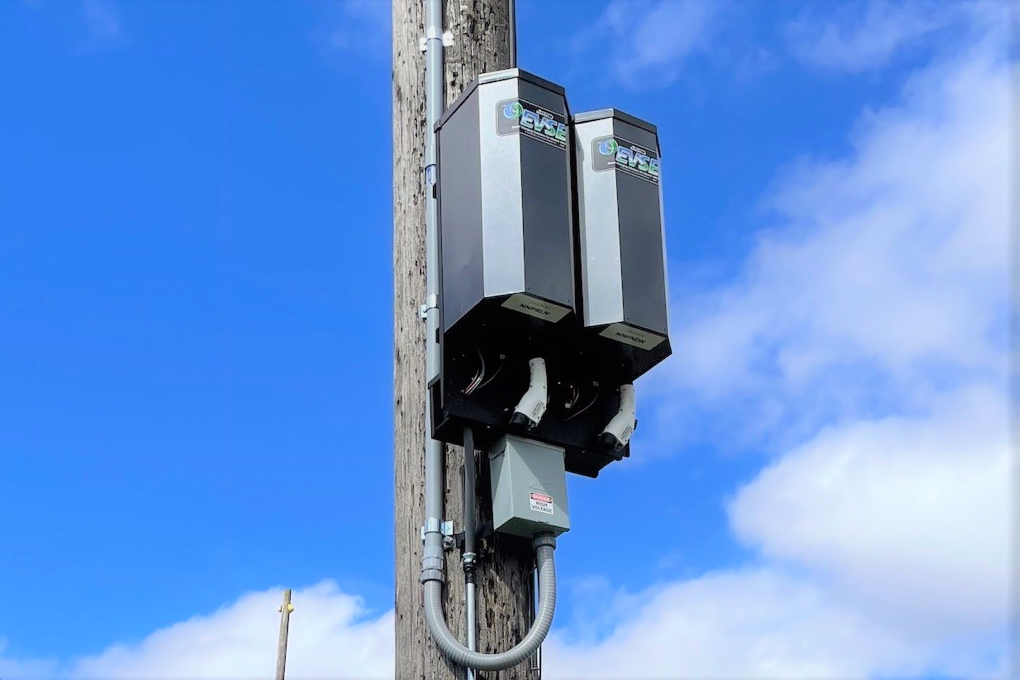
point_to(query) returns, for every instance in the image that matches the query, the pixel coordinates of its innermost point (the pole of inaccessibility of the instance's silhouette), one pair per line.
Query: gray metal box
(620, 230)
(529, 487)
(506, 221)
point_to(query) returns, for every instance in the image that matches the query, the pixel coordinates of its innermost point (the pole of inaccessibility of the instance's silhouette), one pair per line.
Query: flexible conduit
(458, 653)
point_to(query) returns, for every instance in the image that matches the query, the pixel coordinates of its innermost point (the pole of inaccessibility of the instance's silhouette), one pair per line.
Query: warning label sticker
(541, 502)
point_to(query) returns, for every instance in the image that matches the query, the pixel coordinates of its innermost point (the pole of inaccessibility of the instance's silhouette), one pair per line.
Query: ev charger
(507, 250)
(553, 278)
(620, 231)
(505, 204)
(529, 487)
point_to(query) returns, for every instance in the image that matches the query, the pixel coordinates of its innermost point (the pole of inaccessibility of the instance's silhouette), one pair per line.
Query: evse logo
(615, 153)
(520, 116)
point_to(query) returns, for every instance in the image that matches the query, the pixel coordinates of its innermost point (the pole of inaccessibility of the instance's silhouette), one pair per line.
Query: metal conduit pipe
(544, 544)
(433, 559)
(469, 500)
(469, 556)
(471, 636)
(433, 567)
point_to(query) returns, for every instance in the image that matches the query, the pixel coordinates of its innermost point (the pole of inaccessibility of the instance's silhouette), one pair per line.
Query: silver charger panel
(620, 229)
(506, 220)
(529, 487)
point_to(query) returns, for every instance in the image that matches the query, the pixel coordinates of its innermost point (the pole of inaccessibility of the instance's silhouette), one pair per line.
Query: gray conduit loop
(545, 544)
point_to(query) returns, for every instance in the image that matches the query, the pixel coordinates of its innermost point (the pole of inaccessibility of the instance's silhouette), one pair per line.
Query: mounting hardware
(432, 302)
(433, 525)
(431, 33)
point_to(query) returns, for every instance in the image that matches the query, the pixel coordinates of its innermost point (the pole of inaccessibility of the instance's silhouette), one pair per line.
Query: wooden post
(281, 650)
(480, 44)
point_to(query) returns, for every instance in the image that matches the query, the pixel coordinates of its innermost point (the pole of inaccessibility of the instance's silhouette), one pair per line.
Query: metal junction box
(622, 252)
(507, 245)
(529, 487)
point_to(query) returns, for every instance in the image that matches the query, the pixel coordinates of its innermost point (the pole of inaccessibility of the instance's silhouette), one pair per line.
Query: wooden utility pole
(281, 649)
(480, 43)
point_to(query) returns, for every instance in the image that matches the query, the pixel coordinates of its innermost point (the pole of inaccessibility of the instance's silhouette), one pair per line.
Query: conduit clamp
(431, 33)
(431, 302)
(433, 525)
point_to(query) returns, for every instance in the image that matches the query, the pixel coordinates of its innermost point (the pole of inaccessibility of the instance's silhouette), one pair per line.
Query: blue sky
(197, 360)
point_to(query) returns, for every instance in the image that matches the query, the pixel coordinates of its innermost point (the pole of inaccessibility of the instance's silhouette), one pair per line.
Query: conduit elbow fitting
(531, 407)
(617, 433)
(544, 538)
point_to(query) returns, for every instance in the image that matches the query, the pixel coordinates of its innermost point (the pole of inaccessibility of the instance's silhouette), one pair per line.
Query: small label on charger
(518, 116)
(540, 309)
(635, 337)
(617, 153)
(541, 502)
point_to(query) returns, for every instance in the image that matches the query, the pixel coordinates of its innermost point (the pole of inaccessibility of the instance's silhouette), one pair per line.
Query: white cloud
(865, 35)
(755, 623)
(24, 669)
(646, 43)
(868, 332)
(332, 636)
(885, 548)
(908, 515)
(887, 274)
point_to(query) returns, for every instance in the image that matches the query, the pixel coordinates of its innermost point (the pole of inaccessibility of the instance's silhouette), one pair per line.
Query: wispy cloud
(884, 277)
(15, 669)
(646, 43)
(866, 34)
(102, 20)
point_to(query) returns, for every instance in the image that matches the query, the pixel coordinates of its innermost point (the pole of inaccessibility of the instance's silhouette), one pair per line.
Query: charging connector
(617, 433)
(531, 407)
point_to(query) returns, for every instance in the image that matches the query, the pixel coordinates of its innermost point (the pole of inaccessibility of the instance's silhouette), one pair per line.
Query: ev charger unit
(622, 252)
(506, 232)
(549, 301)
(529, 490)
(506, 248)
